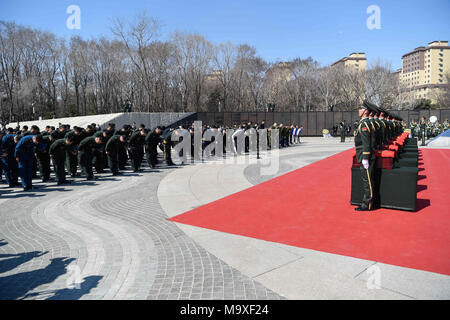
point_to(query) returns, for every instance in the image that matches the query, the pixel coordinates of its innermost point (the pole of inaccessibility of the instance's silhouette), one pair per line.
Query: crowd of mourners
(29, 153)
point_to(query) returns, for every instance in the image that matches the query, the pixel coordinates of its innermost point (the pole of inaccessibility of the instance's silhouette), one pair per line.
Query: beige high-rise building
(356, 61)
(278, 73)
(424, 69)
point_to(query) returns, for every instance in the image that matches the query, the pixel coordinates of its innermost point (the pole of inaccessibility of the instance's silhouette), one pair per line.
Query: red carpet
(310, 208)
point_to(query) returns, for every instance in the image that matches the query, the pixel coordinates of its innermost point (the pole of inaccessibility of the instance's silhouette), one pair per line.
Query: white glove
(365, 164)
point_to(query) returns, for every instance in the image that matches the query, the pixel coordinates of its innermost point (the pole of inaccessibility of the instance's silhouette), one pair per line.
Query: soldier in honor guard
(342, 128)
(423, 130)
(365, 156)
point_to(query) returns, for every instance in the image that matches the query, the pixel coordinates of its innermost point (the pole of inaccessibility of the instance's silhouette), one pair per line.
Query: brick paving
(107, 239)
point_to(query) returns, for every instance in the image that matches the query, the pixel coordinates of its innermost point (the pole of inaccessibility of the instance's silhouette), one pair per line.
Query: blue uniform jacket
(25, 148)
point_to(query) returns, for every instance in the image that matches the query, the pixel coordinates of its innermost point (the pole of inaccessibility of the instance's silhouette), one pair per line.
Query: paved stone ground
(112, 240)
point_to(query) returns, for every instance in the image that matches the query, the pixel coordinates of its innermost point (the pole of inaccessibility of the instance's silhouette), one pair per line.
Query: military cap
(369, 106)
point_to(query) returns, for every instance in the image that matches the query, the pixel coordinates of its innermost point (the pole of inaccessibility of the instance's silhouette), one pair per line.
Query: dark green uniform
(167, 143)
(123, 156)
(342, 131)
(113, 149)
(58, 153)
(99, 156)
(364, 151)
(423, 131)
(71, 154)
(136, 149)
(86, 151)
(151, 147)
(43, 157)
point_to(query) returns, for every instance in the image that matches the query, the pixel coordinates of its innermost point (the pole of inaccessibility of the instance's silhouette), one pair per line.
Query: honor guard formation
(384, 171)
(24, 152)
(425, 130)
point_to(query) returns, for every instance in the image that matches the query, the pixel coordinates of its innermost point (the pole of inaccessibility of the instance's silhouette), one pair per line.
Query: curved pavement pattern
(110, 239)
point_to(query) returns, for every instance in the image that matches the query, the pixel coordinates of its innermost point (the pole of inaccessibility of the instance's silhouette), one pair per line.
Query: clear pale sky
(280, 30)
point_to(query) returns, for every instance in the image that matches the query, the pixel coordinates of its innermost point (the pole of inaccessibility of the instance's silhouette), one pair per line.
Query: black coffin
(398, 188)
(407, 162)
(411, 141)
(411, 155)
(357, 188)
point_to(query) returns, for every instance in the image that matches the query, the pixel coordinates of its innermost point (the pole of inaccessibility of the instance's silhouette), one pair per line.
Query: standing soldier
(375, 129)
(386, 128)
(86, 151)
(412, 126)
(113, 150)
(365, 156)
(57, 152)
(342, 128)
(423, 130)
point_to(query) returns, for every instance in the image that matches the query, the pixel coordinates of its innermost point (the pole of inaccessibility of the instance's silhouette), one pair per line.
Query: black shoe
(362, 208)
(90, 178)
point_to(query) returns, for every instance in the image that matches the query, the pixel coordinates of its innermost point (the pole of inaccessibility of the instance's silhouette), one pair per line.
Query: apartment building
(356, 61)
(424, 70)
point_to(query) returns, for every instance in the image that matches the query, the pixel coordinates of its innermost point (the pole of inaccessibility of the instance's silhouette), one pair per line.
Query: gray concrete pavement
(295, 273)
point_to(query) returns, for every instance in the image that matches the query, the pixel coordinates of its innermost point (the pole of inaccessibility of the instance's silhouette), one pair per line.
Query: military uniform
(25, 153)
(167, 145)
(71, 153)
(57, 152)
(136, 149)
(342, 131)
(86, 151)
(10, 168)
(365, 154)
(122, 151)
(151, 144)
(113, 150)
(43, 157)
(423, 131)
(99, 156)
